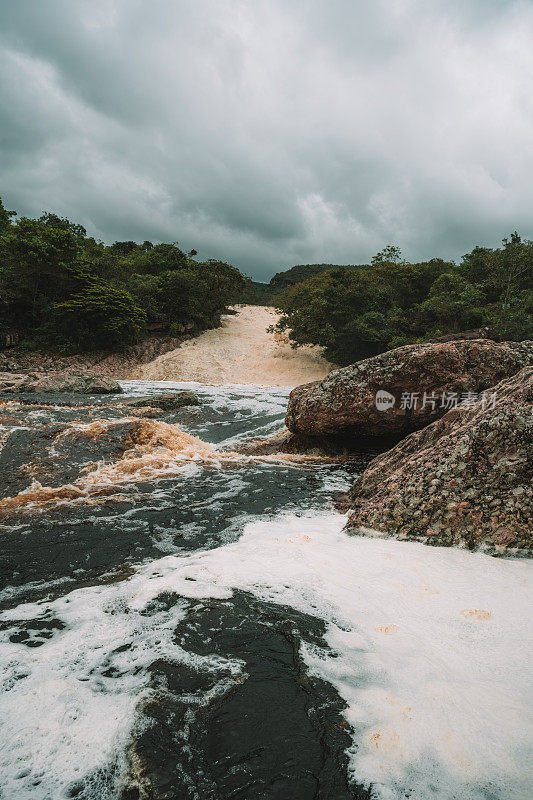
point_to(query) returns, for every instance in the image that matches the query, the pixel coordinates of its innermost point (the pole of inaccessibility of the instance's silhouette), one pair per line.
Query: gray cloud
(274, 132)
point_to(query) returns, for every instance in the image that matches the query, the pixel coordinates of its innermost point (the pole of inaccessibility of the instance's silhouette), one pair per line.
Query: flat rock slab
(271, 731)
(57, 383)
(167, 402)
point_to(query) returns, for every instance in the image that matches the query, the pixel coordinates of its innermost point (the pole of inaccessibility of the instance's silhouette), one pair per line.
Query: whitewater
(427, 648)
(241, 351)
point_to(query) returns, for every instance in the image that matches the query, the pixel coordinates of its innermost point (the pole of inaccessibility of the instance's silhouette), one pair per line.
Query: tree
(357, 313)
(54, 221)
(453, 304)
(514, 262)
(35, 256)
(389, 255)
(58, 286)
(96, 316)
(5, 217)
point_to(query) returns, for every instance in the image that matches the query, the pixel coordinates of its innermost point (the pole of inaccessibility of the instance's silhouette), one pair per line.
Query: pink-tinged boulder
(411, 381)
(464, 480)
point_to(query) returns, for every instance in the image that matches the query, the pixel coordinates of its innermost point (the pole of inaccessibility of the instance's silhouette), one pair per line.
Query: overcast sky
(272, 132)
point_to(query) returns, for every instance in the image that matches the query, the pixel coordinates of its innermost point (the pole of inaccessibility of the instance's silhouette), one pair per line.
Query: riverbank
(96, 362)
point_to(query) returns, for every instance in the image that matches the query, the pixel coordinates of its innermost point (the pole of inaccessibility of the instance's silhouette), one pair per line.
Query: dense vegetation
(62, 288)
(267, 293)
(355, 313)
(302, 272)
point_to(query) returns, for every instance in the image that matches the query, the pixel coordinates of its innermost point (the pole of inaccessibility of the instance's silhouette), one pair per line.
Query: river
(182, 621)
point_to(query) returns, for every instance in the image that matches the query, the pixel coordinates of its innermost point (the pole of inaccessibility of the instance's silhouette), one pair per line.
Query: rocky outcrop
(464, 480)
(320, 447)
(58, 383)
(171, 401)
(417, 385)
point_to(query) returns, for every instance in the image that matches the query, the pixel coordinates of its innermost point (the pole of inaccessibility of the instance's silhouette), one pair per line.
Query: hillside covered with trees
(267, 293)
(356, 313)
(61, 288)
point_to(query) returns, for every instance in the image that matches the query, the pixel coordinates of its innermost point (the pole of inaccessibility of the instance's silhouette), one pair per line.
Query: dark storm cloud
(274, 132)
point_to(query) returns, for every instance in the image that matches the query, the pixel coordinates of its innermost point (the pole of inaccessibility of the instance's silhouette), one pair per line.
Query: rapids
(241, 351)
(182, 621)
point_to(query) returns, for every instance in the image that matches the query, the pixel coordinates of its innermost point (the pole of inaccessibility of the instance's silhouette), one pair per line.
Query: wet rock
(101, 362)
(283, 441)
(484, 498)
(248, 721)
(35, 632)
(167, 402)
(58, 383)
(57, 454)
(344, 403)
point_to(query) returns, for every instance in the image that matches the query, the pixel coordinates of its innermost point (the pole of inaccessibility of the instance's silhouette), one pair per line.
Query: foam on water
(429, 647)
(245, 411)
(68, 703)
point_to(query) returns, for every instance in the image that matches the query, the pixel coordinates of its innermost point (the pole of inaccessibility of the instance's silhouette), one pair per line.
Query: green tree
(453, 304)
(59, 286)
(389, 255)
(356, 313)
(513, 267)
(96, 316)
(33, 271)
(5, 217)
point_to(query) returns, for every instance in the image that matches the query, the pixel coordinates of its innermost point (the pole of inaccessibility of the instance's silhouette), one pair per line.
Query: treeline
(358, 312)
(61, 288)
(267, 293)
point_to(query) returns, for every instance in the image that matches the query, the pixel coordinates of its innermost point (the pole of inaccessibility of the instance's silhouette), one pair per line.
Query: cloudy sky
(272, 132)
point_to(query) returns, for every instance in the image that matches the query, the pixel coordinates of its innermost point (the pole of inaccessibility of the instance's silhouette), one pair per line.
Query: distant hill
(265, 294)
(302, 272)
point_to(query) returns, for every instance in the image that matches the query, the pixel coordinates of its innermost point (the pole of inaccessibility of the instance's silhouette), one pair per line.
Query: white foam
(432, 657)
(437, 688)
(61, 718)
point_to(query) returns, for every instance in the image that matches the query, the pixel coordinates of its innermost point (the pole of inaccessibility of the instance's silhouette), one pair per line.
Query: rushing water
(181, 621)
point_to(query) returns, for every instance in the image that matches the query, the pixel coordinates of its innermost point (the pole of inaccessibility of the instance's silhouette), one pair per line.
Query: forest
(357, 312)
(63, 289)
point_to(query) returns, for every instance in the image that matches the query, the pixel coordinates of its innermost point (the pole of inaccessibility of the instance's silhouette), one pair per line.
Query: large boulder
(416, 385)
(58, 383)
(464, 480)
